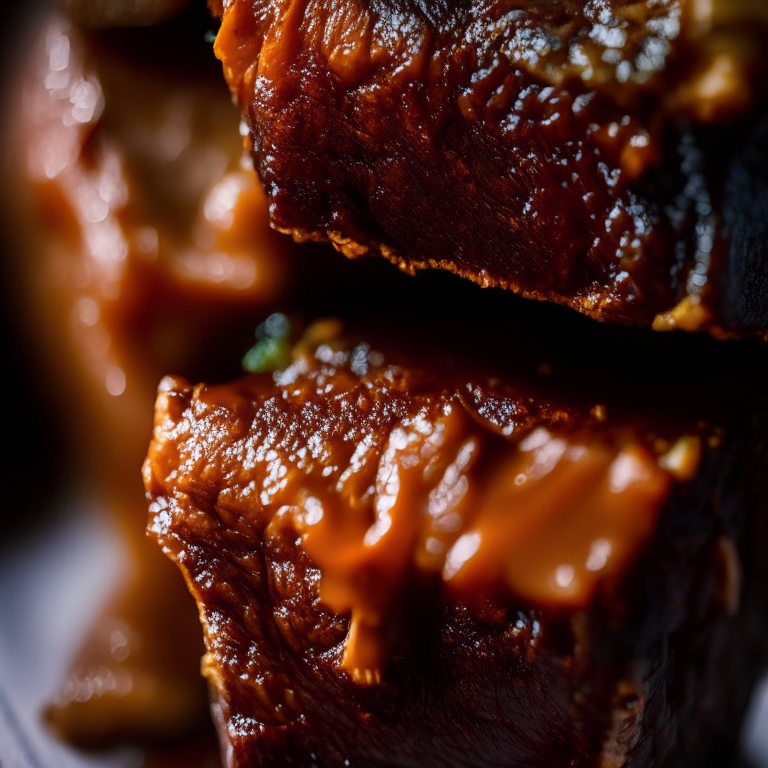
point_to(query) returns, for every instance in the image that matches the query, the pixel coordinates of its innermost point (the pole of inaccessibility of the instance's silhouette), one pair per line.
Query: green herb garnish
(272, 351)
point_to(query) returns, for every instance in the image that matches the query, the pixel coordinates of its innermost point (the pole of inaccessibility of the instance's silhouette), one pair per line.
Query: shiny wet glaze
(307, 509)
(527, 146)
(388, 477)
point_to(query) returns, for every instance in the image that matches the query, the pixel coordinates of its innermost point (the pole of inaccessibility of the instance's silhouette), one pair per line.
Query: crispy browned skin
(524, 145)
(483, 677)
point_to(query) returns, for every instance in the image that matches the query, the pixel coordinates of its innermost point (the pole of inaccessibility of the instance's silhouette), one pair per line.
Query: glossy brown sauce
(555, 519)
(389, 480)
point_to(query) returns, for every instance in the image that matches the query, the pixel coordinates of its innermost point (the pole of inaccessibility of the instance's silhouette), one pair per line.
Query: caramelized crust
(402, 563)
(523, 145)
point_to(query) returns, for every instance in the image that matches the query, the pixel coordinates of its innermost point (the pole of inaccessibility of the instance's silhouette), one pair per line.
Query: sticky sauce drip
(553, 518)
(419, 500)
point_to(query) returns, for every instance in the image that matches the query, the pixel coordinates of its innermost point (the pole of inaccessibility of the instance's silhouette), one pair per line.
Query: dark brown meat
(524, 145)
(406, 557)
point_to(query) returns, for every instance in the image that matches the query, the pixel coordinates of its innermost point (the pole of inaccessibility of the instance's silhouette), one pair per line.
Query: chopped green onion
(267, 355)
(272, 351)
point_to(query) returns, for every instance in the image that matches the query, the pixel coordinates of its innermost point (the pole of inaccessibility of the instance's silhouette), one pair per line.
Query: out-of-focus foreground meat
(406, 551)
(537, 146)
(143, 247)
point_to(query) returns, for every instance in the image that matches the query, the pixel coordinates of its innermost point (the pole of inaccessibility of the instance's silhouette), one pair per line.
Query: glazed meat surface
(524, 145)
(402, 557)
